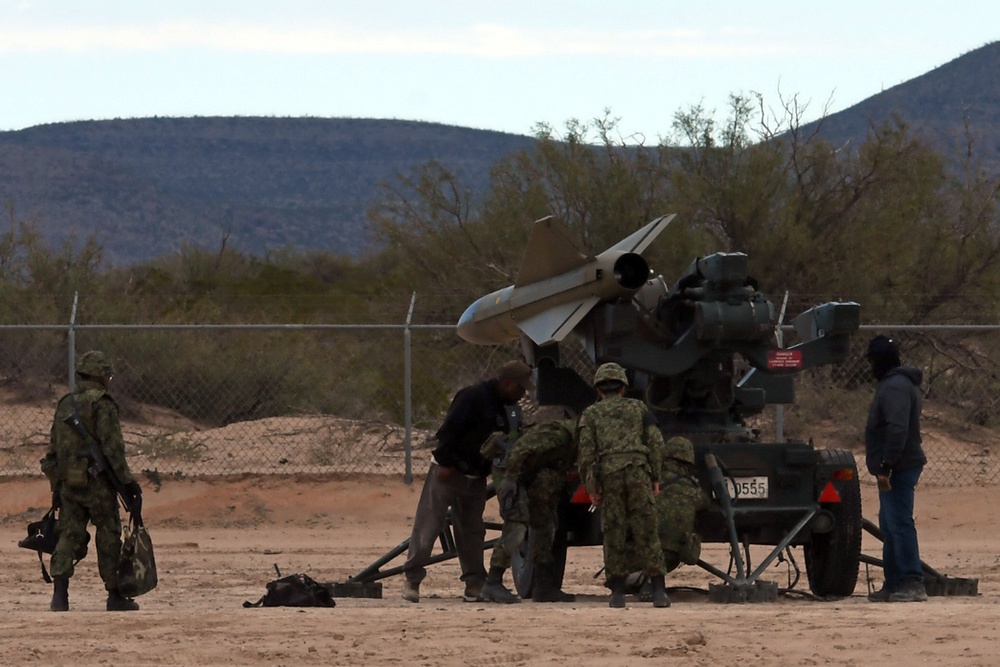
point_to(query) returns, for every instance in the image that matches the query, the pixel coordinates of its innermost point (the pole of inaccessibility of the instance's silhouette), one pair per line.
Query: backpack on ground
(294, 590)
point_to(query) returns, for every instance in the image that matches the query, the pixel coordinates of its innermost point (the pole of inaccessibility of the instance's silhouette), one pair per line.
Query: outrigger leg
(367, 584)
(935, 582)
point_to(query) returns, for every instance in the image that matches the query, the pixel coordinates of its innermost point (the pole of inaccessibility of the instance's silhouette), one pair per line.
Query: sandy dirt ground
(217, 541)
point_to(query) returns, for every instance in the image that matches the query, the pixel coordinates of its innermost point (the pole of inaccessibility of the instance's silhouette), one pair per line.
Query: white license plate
(747, 488)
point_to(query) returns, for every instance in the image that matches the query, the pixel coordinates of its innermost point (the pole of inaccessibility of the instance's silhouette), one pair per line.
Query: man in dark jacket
(894, 456)
(457, 477)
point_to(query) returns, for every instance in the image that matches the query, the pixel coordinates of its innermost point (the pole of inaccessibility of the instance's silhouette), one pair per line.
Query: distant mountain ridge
(936, 105)
(146, 186)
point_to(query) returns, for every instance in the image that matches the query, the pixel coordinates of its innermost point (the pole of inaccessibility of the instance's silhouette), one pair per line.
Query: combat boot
(881, 595)
(411, 590)
(910, 591)
(617, 585)
(60, 594)
(545, 588)
(494, 590)
(660, 598)
(118, 602)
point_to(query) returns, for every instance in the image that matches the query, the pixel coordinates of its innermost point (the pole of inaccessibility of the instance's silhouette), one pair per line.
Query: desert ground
(218, 540)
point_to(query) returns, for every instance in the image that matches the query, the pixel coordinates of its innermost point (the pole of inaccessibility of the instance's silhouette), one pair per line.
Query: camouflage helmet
(679, 448)
(94, 364)
(610, 372)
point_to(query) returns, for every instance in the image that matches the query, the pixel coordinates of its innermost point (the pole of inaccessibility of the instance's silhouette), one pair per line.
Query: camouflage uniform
(620, 453)
(677, 505)
(82, 497)
(539, 462)
(515, 522)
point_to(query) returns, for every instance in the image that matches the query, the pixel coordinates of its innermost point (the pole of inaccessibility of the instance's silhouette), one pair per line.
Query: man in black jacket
(457, 477)
(894, 456)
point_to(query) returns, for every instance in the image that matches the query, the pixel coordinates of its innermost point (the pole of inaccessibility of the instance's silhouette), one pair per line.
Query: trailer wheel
(832, 559)
(523, 570)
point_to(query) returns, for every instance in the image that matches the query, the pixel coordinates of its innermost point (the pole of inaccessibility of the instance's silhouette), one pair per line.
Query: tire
(832, 559)
(523, 570)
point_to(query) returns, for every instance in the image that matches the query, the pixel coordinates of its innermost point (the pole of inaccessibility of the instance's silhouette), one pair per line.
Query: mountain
(937, 106)
(146, 186)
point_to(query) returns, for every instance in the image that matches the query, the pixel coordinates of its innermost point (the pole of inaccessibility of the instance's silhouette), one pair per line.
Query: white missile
(558, 284)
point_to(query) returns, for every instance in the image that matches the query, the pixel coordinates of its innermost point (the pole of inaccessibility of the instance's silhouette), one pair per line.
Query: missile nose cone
(465, 324)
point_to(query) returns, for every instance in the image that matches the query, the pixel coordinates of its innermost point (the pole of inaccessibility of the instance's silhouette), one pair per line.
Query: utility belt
(463, 467)
(673, 478)
(622, 455)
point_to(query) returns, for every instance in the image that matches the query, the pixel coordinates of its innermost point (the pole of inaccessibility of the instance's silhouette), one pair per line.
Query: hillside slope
(146, 186)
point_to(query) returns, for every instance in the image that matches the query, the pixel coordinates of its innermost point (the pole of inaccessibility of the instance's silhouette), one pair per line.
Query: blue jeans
(900, 553)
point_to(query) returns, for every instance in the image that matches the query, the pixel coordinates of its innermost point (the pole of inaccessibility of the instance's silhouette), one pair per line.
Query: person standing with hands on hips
(894, 456)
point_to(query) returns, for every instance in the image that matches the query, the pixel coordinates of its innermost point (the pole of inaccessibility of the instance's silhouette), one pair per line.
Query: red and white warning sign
(784, 359)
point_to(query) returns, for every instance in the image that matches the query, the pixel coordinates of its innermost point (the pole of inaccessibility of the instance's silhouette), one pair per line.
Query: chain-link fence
(327, 399)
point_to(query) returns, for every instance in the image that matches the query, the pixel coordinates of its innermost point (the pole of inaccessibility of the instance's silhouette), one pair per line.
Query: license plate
(747, 488)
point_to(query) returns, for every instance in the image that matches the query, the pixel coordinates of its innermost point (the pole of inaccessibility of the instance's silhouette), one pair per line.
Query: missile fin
(554, 324)
(640, 240)
(551, 251)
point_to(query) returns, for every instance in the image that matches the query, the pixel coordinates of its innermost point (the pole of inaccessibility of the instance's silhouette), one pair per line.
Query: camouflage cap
(94, 364)
(518, 372)
(610, 372)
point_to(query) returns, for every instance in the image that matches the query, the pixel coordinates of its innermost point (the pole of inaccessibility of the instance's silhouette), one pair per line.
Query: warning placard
(784, 359)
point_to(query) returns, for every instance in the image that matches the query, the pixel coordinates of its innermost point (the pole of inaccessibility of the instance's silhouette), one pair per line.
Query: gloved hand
(134, 499)
(507, 497)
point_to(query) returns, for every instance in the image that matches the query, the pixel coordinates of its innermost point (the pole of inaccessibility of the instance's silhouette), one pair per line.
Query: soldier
(513, 511)
(536, 470)
(619, 460)
(81, 496)
(679, 501)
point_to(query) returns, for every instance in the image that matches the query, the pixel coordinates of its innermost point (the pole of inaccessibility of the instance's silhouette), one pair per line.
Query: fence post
(408, 394)
(71, 344)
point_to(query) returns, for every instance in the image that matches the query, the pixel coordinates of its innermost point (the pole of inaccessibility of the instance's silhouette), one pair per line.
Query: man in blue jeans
(895, 458)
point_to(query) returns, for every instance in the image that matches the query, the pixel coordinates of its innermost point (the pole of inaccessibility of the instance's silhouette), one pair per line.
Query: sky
(503, 65)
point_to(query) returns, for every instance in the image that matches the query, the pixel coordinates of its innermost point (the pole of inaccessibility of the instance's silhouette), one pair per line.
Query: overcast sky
(501, 65)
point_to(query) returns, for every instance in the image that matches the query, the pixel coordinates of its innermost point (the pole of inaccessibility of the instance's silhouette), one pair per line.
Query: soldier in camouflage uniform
(537, 465)
(79, 495)
(514, 513)
(679, 501)
(620, 458)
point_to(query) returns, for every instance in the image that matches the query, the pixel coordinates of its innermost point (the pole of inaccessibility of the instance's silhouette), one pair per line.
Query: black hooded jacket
(892, 434)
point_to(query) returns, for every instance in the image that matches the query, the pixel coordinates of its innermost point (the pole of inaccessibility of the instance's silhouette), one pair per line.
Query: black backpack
(43, 535)
(295, 590)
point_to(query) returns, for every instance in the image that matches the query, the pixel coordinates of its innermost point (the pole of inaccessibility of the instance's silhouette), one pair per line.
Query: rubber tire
(523, 570)
(833, 559)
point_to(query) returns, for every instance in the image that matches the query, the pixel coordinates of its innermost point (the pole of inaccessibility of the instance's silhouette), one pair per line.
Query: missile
(558, 284)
